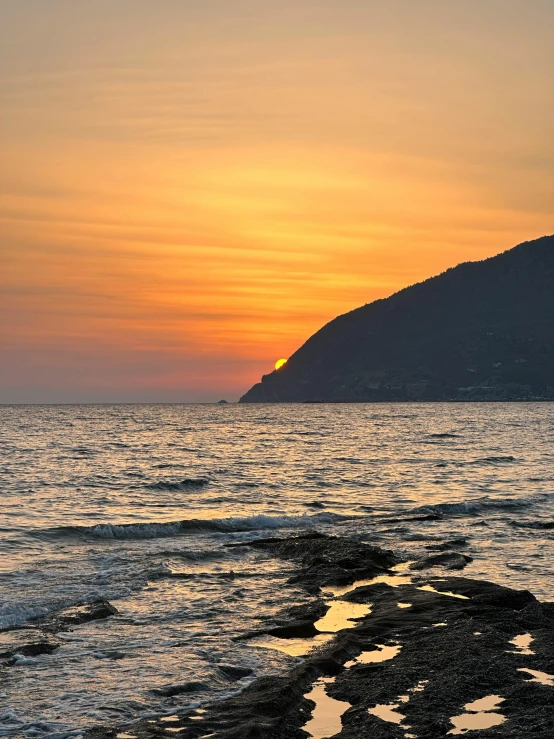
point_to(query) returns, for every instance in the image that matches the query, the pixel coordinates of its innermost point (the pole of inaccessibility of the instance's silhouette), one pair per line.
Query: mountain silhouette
(479, 331)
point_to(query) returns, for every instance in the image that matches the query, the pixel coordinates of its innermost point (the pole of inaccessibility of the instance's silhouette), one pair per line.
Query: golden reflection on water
(341, 614)
(539, 677)
(431, 589)
(326, 717)
(293, 647)
(393, 580)
(481, 715)
(381, 654)
(388, 712)
(522, 642)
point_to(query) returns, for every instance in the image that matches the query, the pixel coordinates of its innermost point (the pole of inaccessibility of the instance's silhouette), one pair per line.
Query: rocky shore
(389, 653)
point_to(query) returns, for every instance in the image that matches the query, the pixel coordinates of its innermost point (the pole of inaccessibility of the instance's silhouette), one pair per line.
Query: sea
(136, 504)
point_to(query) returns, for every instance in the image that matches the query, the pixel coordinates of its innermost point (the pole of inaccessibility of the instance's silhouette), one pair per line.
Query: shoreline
(392, 657)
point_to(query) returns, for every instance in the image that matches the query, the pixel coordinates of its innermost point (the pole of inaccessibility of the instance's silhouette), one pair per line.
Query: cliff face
(479, 331)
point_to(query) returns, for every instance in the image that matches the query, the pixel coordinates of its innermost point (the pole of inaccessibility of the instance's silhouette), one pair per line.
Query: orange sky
(189, 190)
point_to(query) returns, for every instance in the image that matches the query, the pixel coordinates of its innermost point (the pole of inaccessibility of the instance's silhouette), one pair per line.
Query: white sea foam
(175, 528)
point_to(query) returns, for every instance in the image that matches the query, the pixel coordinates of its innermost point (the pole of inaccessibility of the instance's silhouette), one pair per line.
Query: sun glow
(279, 363)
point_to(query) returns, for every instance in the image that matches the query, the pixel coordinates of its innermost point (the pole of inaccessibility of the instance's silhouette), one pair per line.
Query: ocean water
(135, 503)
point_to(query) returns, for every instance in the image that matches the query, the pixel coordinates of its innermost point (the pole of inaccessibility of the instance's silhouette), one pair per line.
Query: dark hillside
(479, 331)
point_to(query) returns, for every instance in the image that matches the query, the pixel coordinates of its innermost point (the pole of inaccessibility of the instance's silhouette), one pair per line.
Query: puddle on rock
(123, 735)
(169, 718)
(431, 589)
(482, 715)
(381, 654)
(404, 605)
(340, 615)
(292, 647)
(326, 716)
(488, 703)
(539, 677)
(403, 566)
(388, 712)
(522, 642)
(400, 577)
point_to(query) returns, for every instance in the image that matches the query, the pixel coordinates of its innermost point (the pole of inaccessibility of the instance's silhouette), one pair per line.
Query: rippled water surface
(135, 504)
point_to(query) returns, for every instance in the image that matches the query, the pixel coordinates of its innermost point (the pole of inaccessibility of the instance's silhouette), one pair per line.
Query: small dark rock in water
(222, 402)
(24, 643)
(169, 691)
(68, 617)
(452, 544)
(448, 560)
(234, 673)
(315, 504)
(296, 622)
(110, 655)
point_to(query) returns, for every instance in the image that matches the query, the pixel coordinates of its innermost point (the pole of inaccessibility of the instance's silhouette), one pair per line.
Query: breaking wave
(192, 525)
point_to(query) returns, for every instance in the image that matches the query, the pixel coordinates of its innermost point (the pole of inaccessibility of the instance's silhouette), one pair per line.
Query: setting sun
(279, 363)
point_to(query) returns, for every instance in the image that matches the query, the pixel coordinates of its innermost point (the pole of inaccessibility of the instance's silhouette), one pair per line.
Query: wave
(192, 525)
(445, 435)
(189, 483)
(479, 505)
(541, 525)
(14, 614)
(495, 460)
(483, 461)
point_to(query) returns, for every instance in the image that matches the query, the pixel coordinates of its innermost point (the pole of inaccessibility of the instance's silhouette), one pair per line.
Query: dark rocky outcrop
(328, 560)
(449, 560)
(64, 619)
(480, 331)
(169, 691)
(35, 637)
(454, 650)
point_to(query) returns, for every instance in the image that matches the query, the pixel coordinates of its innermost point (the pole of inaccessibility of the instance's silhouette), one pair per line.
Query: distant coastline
(480, 332)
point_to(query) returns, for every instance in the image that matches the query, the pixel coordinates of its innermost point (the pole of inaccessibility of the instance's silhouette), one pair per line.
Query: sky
(188, 190)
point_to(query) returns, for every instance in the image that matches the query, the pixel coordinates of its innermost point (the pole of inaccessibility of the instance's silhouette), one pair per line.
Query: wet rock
(114, 654)
(448, 560)
(169, 691)
(297, 630)
(366, 593)
(438, 669)
(328, 560)
(232, 672)
(23, 643)
(447, 545)
(68, 617)
(296, 622)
